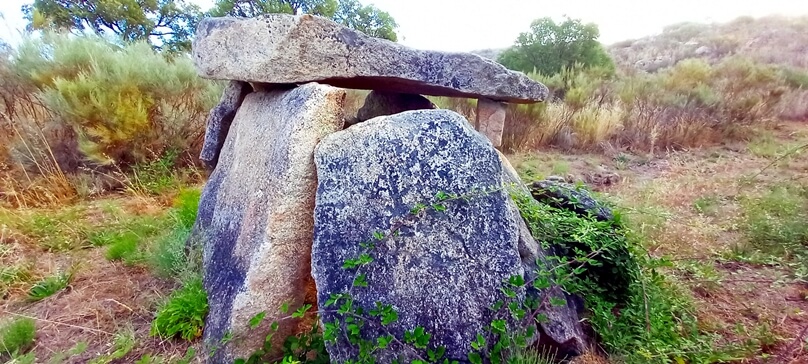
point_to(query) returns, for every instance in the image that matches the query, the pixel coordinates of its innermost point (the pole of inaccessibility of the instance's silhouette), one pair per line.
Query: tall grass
(690, 105)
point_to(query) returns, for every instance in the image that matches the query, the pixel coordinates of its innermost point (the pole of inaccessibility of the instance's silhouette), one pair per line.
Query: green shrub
(610, 268)
(638, 314)
(16, 336)
(657, 324)
(49, 286)
(127, 104)
(184, 313)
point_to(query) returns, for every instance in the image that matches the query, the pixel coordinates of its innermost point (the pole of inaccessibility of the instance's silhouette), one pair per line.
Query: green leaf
(557, 301)
(475, 358)
(478, 344)
(360, 281)
(301, 312)
(285, 307)
(439, 207)
(517, 280)
(384, 341)
(257, 319)
(498, 326)
(389, 316)
(378, 235)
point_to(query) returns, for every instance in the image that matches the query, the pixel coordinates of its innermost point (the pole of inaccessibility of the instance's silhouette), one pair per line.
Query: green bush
(127, 104)
(184, 313)
(16, 336)
(638, 314)
(609, 269)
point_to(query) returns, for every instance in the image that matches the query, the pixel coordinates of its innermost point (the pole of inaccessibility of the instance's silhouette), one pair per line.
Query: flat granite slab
(294, 49)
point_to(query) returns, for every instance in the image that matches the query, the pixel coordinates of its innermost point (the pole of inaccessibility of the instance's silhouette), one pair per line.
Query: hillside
(772, 40)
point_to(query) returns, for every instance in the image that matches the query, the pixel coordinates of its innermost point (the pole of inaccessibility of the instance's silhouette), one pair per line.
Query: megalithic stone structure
(287, 49)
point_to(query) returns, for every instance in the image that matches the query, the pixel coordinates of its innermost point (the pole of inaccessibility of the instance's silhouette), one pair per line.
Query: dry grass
(687, 206)
(104, 299)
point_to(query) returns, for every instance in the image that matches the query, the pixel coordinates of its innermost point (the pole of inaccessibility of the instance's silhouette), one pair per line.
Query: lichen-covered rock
(561, 329)
(281, 48)
(379, 103)
(566, 196)
(255, 217)
(219, 120)
(441, 270)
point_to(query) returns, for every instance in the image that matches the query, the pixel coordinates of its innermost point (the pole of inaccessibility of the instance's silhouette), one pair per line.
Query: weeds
(49, 286)
(16, 336)
(14, 275)
(77, 349)
(123, 342)
(184, 313)
(775, 221)
(125, 248)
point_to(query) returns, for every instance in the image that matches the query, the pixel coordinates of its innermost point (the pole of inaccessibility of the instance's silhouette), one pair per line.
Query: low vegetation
(706, 262)
(16, 336)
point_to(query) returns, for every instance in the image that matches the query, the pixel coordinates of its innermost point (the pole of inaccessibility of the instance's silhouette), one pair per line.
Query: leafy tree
(367, 19)
(351, 13)
(166, 24)
(550, 48)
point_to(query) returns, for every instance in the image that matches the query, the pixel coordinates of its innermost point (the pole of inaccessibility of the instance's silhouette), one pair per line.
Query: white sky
(465, 25)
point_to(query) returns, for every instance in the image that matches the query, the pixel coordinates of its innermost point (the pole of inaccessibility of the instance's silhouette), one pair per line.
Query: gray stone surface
(443, 270)
(255, 217)
(565, 196)
(219, 120)
(280, 48)
(491, 120)
(379, 103)
(562, 329)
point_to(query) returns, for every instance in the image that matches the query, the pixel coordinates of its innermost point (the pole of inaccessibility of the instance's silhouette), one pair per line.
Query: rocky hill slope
(773, 40)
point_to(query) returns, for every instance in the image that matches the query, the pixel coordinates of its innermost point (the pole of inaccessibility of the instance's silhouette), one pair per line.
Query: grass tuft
(184, 313)
(16, 336)
(49, 286)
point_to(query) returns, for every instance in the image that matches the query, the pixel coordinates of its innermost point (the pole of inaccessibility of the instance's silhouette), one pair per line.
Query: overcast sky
(464, 25)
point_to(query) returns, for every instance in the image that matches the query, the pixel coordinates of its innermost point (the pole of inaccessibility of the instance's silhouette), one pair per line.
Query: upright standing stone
(442, 270)
(491, 120)
(219, 120)
(255, 217)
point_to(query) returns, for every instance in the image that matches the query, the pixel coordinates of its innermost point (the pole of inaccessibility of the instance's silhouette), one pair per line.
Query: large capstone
(287, 49)
(255, 217)
(440, 267)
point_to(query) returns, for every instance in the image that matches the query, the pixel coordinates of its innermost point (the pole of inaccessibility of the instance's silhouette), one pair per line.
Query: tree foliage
(351, 13)
(549, 48)
(170, 24)
(166, 24)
